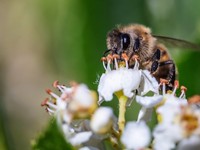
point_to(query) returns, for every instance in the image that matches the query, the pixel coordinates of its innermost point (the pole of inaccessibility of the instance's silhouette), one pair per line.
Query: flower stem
(122, 109)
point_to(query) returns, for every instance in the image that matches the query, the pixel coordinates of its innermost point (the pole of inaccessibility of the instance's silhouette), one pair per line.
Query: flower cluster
(179, 125)
(87, 125)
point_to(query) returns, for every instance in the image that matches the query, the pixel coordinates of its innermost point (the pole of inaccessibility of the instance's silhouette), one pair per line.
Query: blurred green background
(46, 40)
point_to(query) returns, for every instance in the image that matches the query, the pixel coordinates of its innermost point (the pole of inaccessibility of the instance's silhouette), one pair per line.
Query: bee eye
(136, 45)
(125, 40)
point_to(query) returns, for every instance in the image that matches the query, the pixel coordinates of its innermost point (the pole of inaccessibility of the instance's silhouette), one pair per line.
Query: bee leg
(156, 55)
(155, 59)
(131, 55)
(154, 66)
(130, 60)
(109, 52)
(171, 74)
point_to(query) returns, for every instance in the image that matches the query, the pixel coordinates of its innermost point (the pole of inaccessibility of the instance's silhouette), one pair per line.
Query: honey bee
(136, 39)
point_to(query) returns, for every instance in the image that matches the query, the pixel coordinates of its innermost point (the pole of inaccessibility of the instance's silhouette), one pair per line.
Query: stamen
(52, 105)
(44, 103)
(183, 90)
(47, 103)
(115, 56)
(47, 110)
(103, 59)
(50, 110)
(109, 59)
(60, 88)
(66, 89)
(52, 94)
(55, 84)
(163, 82)
(126, 61)
(104, 65)
(116, 65)
(48, 91)
(136, 66)
(108, 66)
(176, 85)
(125, 57)
(136, 58)
(64, 96)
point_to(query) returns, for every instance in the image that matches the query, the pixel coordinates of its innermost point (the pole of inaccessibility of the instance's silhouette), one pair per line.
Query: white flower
(167, 133)
(177, 121)
(123, 79)
(136, 135)
(148, 102)
(128, 81)
(170, 109)
(179, 124)
(74, 102)
(189, 121)
(102, 120)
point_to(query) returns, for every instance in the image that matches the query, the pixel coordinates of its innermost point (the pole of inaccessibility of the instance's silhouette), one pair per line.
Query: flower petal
(83, 96)
(80, 138)
(149, 101)
(191, 143)
(148, 84)
(102, 120)
(136, 135)
(123, 79)
(145, 114)
(166, 136)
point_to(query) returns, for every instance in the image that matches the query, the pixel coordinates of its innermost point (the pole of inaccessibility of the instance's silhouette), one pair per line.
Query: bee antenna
(106, 52)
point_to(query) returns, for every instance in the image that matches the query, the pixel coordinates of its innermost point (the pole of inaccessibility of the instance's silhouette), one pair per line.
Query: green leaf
(50, 139)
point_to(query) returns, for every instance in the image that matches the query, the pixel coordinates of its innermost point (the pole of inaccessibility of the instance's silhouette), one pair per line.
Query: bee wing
(173, 42)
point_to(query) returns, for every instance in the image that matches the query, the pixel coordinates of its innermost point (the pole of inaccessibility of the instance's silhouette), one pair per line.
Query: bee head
(118, 41)
(131, 39)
